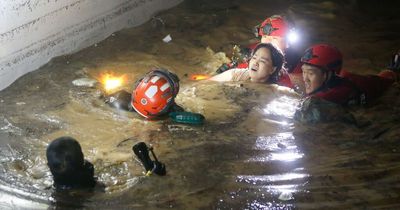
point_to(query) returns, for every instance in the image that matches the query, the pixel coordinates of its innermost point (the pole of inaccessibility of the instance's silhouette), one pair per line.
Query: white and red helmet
(154, 94)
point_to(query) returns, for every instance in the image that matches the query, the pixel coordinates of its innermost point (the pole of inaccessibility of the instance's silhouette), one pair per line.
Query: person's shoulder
(240, 74)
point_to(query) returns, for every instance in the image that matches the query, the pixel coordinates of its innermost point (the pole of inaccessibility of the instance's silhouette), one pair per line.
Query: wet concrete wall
(34, 31)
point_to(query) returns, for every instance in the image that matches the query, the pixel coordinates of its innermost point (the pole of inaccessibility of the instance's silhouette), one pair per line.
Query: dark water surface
(250, 154)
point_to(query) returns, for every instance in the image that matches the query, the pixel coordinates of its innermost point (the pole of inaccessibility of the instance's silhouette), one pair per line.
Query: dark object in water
(187, 118)
(239, 55)
(142, 152)
(394, 64)
(68, 166)
(119, 100)
(225, 67)
(176, 108)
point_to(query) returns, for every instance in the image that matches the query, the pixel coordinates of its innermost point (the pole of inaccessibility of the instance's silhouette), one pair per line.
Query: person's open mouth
(307, 86)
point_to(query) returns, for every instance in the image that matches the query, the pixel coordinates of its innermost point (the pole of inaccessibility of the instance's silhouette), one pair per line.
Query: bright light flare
(293, 37)
(112, 82)
(199, 77)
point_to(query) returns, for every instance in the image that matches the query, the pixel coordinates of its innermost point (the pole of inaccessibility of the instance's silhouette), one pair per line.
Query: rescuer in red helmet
(321, 65)
(274, 30)
(279, 32)
(155, 93)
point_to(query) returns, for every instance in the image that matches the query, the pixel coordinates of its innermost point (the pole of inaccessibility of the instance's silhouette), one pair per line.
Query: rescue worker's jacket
(349, 88)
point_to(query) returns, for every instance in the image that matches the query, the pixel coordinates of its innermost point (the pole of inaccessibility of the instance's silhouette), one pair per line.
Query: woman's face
(260, 65)
(313, 77)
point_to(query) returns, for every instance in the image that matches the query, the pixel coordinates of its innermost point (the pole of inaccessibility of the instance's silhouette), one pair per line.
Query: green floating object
(187, 118)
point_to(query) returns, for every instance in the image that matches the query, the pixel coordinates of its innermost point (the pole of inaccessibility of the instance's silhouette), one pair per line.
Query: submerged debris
(179, 128)
(119, 100)
(187, 118)
(167, 38)
(84, 82)
(314, 110)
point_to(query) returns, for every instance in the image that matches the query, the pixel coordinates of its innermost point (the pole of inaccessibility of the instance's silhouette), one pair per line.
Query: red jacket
(372, 86)
(352, 88)
(340, 91)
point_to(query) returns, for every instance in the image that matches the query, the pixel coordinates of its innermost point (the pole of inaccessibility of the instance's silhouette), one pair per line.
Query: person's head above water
(265, 63)
(67, 165)
(265, 66)
(320, 63)
(274, 30)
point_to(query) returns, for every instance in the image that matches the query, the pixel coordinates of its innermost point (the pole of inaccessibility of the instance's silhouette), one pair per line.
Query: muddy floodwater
(249, 154)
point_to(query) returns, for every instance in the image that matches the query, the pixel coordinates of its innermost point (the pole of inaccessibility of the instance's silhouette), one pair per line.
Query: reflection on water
(286, 156)
(250, 154)
(276, 142)
(273, 173)
(271, 178)
(283, 106)
(280, 147)
(281, 110)
(15, 202)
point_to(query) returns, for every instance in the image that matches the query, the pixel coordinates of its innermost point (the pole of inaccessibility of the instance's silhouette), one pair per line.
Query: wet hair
(67, 164)
(277, 60)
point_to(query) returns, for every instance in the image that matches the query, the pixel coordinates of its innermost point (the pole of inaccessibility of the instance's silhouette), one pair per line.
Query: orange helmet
(275, 25)
(155, 93)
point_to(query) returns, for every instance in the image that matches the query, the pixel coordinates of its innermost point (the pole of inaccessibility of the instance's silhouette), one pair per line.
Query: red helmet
(275, 25)
(324, 56)
(155, 93)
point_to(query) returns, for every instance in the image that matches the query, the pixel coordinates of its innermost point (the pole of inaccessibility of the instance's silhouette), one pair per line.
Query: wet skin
(313, 77)
(260, 65)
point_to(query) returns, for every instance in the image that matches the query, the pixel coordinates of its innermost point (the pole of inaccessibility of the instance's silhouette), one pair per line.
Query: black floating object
(224, 67)
(142, 152)
(119, 100)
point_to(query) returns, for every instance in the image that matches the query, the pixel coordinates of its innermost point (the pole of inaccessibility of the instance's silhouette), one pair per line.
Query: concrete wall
(34, 31)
